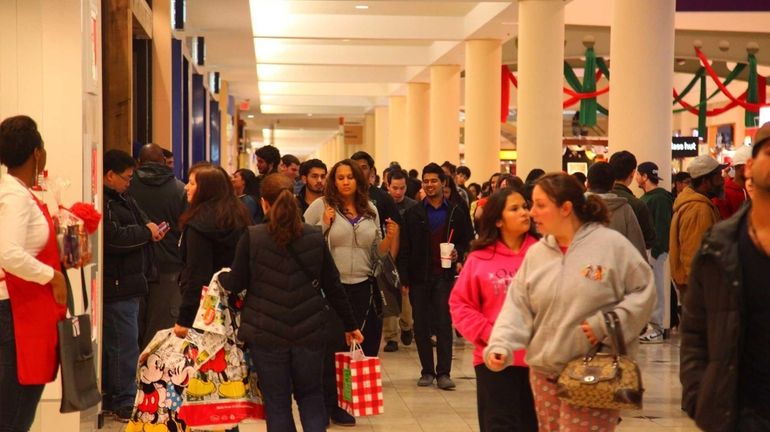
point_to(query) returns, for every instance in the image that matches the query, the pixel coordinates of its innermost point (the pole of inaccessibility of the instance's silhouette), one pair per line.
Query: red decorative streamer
(753, 107)
(712, 112)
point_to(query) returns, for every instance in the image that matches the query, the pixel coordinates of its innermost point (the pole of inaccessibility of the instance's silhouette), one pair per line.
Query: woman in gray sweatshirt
(554, 307)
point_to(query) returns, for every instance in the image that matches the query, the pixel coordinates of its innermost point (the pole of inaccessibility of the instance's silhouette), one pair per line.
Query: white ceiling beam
(322, 110)
(325, 89)
(326, 73)
(273, 51)
(387, 27)
(310, 100)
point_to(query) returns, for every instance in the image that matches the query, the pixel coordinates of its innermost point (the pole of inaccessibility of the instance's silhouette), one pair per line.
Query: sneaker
(391, 346)
(340, 417)
(406, 337)
(445, 383)
(653, 336)
(426, 380)
(123, 414)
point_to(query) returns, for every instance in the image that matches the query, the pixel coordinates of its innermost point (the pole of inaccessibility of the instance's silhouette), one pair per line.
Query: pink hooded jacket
(480, 291)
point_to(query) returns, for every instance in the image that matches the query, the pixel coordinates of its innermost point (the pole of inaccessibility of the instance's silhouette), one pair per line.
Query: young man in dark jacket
(624, 167)
(725, 331)
(426, 225)
(127, 236)
(162, 198)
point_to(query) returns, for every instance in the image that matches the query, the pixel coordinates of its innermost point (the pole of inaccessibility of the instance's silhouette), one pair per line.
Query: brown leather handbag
(603, 380)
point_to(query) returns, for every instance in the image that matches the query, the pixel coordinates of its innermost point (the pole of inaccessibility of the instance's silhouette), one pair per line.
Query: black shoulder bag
(78, 370)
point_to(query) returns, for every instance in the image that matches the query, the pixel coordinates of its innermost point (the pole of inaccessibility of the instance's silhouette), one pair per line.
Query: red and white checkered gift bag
(359, 383)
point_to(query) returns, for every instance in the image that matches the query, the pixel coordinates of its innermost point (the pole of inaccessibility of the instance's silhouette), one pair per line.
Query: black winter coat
(712, 329)
(282, 308)
(126, 248)
(414, 258)
(206, 249)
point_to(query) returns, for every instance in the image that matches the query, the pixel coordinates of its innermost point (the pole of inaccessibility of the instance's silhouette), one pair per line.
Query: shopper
(352, 227)
(661, 206)
(624, 167)
(725, 330)
(735, 184)
(622, 218)
(32, 288)
(313, 175)
(289, 166)
(555, 303)
(283, 320)
(386, 208)
(504, 400)
(246, 188)
(162, 198)
(431, 222)
(128, 234)
(679, 182)
(211, 228)
(694, 214)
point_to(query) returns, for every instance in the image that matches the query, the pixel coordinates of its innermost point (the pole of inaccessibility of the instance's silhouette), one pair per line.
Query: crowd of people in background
(522, 269)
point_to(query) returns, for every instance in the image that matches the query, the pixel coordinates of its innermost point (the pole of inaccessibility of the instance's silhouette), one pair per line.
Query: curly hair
(333, 196)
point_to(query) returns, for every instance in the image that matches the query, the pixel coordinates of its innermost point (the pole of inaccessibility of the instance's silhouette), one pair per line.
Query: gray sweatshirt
(553, 293)
(353, 246)
(623, 219)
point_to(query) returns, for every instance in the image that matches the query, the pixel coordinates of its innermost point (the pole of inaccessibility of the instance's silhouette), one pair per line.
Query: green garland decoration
(728, 79)
(752, 95)
(702, 108)
(589, 106)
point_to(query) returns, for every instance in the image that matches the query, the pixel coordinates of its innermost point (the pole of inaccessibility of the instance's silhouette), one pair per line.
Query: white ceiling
(304, 63)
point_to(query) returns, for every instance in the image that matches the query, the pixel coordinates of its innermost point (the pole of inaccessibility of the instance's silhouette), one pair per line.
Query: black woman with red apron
(32, 290)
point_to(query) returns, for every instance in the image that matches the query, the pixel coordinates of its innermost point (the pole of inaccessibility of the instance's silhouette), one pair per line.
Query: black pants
(504, 399)
(17, 402)
(160, 307)
(359, 296)
(430, 309)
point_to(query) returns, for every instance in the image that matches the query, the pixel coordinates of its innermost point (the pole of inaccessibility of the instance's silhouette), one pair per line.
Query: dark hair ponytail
(284, 220)
(561, 188)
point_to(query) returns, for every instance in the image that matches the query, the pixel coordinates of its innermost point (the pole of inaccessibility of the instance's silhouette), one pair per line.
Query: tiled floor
(409, 408)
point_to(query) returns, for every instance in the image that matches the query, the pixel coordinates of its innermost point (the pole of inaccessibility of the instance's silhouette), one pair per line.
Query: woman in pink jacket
(504, 399)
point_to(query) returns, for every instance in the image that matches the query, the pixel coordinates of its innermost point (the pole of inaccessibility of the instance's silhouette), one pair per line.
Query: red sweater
(734, 198)
(480, 291)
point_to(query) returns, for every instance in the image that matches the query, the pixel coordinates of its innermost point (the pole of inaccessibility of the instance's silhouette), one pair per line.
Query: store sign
(684, 147)
(354, 134)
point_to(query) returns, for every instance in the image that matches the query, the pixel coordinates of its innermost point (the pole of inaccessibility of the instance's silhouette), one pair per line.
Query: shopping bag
(359, 382)
(211, 311)
(163, 373)
(76, 353)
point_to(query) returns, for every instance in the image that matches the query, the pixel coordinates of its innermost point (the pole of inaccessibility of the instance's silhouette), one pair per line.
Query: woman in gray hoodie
(576, 272)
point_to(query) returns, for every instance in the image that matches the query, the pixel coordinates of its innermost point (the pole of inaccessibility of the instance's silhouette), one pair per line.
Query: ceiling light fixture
(251, 116)
(310, 114)
(362, 7)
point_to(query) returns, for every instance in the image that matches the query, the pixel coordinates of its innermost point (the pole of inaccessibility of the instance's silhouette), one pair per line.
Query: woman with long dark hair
(504, 400)
(283, 265)
(211, 227)
(246, 188)
(32, 287)
(352, 228)
(555, 305)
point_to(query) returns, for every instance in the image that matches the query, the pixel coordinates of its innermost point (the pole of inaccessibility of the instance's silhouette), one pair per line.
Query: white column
(482, 107)
(540, 68)
(444, 114)
(417, 126)
(642, 53)
(381, 146)
(397, 130)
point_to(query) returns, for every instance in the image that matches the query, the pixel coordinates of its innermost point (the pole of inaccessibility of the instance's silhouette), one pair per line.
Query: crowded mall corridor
(409, 408)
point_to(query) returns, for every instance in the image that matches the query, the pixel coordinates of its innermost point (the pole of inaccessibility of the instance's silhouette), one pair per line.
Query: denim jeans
(120, 352)
(18, 403)
(662, 283)
(286, 371)
(430, 306)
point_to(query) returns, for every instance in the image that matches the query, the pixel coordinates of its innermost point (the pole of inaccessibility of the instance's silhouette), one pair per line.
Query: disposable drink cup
(446, 254)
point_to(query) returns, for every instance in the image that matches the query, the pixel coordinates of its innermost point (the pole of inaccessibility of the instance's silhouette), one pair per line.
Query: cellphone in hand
(163, 227)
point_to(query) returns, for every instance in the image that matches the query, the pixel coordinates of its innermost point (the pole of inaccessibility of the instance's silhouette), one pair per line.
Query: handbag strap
(615, 333)
(70, 299)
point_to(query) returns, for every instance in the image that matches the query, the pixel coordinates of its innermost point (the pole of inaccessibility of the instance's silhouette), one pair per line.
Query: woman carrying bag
(286, 269)
(33, 291)
(555, 305)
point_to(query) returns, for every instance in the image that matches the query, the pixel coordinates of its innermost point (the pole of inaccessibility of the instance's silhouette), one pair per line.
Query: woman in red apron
(32, 291)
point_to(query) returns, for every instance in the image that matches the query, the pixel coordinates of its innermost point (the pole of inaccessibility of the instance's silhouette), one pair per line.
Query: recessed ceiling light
(310, 114)
(250, 116)
(362, 7)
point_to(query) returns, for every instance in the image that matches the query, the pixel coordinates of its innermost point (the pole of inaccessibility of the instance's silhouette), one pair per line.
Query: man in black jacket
(725, 331)
(162, 197)
(624, 167)
(426, 225)
(127, 235)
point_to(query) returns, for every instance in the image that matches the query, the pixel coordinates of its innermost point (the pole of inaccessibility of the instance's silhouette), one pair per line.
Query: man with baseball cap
(661, 205)
(694, 214)
(735, 184)
(725, 331)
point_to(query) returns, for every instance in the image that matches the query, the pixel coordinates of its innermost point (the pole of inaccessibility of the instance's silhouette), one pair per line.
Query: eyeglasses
(126, 179)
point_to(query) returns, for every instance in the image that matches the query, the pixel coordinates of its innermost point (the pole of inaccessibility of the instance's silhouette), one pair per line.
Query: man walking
(162, 198)
(694, 214)
(313, 175)
(426, 225)
(725, 331)
(624, 167)
(661, 206)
